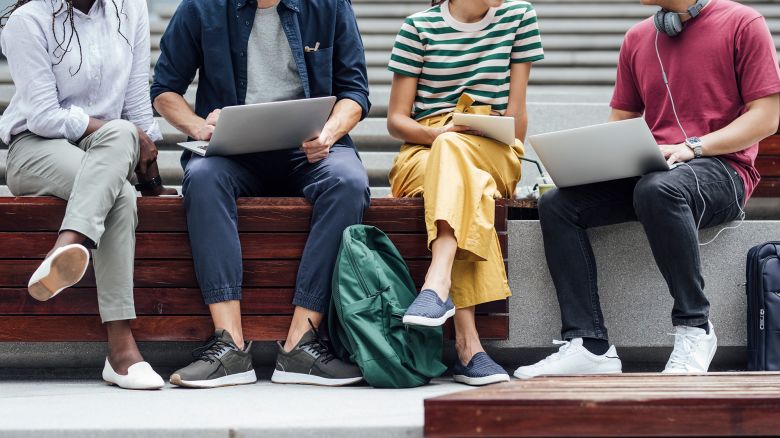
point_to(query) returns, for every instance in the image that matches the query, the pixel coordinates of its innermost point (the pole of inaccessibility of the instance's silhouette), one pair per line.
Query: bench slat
(166, 301)
(254, 214)
(770, 146)
(768, 166)
(177, 328)
(769, 188)
(254, 246)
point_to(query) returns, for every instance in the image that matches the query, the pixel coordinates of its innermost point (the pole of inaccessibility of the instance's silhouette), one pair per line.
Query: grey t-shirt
(271, 69)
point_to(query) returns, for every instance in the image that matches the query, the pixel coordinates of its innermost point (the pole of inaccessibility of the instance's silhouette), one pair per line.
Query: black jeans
(668, 205)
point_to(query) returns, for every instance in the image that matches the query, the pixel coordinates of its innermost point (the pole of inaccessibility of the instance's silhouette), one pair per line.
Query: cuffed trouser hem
(571, 334)
(82, 226)
(117, 314)
(689, 322)
(215, 296)
(311, 302)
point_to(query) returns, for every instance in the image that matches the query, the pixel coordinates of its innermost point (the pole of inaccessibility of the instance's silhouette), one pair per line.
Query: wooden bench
(168, 302)
(768, 165)
(629, 405)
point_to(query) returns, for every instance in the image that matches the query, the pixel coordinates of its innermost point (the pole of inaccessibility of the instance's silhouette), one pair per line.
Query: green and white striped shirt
(450, 58)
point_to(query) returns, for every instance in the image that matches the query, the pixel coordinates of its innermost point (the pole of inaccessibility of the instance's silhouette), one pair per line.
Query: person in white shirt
(78, 126)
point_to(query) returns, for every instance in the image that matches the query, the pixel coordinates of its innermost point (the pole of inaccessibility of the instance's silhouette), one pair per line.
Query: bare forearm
(345, 116)
(178, 113)
(409, 131)
(94, 125)
(750, 128)
(521, 123)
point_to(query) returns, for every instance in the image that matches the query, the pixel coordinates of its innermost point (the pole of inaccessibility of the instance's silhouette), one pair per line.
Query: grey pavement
(87, 409)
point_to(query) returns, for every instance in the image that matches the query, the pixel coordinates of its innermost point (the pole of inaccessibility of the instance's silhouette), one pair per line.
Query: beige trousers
(93, 176)
(459, 177)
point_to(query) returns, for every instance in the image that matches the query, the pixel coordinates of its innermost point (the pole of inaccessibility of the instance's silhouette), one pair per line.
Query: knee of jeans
(126, 200)
(352, 186)
(653, 192)
(123, 132)
(552, 203)
(203, 177)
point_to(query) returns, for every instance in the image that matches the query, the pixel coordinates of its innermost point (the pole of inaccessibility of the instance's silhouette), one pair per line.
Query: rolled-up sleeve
(24, 45)
(181, 53)
(350, 80)
(137, 108)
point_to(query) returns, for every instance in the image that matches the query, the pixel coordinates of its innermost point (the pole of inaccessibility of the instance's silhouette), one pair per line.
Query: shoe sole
(286, 377)
(522, 376)
(66, 270)
(245, 378)
(481, 381)
(428, 322)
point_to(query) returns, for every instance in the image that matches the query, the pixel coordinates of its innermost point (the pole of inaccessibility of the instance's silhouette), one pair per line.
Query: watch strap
(153, 183)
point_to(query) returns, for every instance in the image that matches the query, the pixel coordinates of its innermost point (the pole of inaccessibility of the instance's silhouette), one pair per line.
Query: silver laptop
(263, 127)
(599, 153)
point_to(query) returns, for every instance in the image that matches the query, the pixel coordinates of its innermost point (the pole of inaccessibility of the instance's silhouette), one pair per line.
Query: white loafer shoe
(62, 269)
(139, 376)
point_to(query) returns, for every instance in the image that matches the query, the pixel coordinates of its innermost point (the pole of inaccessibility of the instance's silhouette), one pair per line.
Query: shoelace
(318, 346)
(679, 359)
(213, 348)
(565, 345)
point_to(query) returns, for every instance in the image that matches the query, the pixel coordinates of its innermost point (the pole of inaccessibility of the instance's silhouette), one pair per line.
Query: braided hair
(64, 44)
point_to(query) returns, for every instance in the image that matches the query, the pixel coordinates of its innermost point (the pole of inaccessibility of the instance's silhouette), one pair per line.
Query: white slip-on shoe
(573, 359)
(139, 376)
(693, 350)
(62, 269)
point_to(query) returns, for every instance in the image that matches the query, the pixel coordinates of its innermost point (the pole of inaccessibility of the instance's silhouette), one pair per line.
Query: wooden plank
(770, 146)
(768, 166)
(166, 301)
(181, 274)
(768, 188)
(254, 246)
(254, 214)
(170, 328)
(627, 405)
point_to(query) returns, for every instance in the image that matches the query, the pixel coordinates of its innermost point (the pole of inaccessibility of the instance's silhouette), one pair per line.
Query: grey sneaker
(219, 363)
(312, 362)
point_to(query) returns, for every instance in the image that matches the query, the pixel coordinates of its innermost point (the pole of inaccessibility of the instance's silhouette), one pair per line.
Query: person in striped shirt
(471, 56)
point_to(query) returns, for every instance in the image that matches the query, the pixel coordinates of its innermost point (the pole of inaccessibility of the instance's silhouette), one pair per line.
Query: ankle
(440, 286)
(598, 347)
(294, 337)
(466, 349)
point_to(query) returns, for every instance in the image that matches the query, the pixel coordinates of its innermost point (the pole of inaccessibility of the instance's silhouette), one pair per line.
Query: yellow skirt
(460, 176)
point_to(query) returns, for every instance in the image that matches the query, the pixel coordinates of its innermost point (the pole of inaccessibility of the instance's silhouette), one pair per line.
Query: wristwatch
(695, 144)
(149, 185)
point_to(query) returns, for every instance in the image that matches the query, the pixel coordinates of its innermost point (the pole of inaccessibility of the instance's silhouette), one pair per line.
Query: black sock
(595, 346)
(705, 327)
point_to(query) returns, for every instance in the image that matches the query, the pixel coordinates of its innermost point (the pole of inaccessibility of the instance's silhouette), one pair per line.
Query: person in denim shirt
(254, 51)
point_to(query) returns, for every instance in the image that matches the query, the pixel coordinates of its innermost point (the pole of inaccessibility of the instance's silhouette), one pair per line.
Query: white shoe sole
(481, 381)
(140, 376)
(428, 322)
(524, 376)
(308, 379)
(245, 378)
(64, 268)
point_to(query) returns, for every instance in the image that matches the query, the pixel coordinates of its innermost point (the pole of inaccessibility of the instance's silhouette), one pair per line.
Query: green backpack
(372, 289)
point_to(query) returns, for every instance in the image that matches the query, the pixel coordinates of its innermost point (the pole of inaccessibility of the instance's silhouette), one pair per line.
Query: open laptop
(599, 153)
(263, 127)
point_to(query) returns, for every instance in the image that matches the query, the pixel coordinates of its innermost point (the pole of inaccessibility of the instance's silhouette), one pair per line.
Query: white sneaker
(693, 350)
(62, 269)
(573, 358)
(139, 376)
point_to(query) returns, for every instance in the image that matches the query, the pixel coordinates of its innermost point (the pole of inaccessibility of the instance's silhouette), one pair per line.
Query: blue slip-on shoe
(429, 310)
(481, 370)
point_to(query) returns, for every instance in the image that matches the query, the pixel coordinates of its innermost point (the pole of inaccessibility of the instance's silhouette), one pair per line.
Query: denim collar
(293, 5)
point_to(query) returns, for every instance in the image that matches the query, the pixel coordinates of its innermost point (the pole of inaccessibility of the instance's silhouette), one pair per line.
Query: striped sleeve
(528, 41)
(408, 51)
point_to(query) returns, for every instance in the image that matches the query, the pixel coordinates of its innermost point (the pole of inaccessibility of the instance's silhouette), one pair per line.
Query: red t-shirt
(724, 59)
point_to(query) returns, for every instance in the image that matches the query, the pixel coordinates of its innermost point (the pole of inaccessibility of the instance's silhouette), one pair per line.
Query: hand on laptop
(205, 132)
(677, 153)
(319, 148)
(451, 127)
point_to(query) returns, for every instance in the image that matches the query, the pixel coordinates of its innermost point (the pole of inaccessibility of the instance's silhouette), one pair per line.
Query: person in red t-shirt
(723, 82)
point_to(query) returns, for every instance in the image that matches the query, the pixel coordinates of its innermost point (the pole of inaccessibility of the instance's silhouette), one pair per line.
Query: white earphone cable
(742, 213)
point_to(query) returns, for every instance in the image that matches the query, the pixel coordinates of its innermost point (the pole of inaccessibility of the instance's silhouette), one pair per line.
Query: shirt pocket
(319, 63)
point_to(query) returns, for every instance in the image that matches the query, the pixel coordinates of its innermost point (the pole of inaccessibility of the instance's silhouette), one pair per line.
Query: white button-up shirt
(54, 100)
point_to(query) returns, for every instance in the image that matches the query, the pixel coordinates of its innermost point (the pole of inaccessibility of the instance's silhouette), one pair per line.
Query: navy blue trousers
(337, 187)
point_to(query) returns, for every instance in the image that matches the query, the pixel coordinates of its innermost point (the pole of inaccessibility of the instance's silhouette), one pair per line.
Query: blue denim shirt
(210, 37)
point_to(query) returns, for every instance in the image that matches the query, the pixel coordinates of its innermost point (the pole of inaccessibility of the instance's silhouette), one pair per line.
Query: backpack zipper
(358, 273)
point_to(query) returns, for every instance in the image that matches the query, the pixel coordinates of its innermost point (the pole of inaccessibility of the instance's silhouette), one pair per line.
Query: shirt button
(242, 54)
(247, 22)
